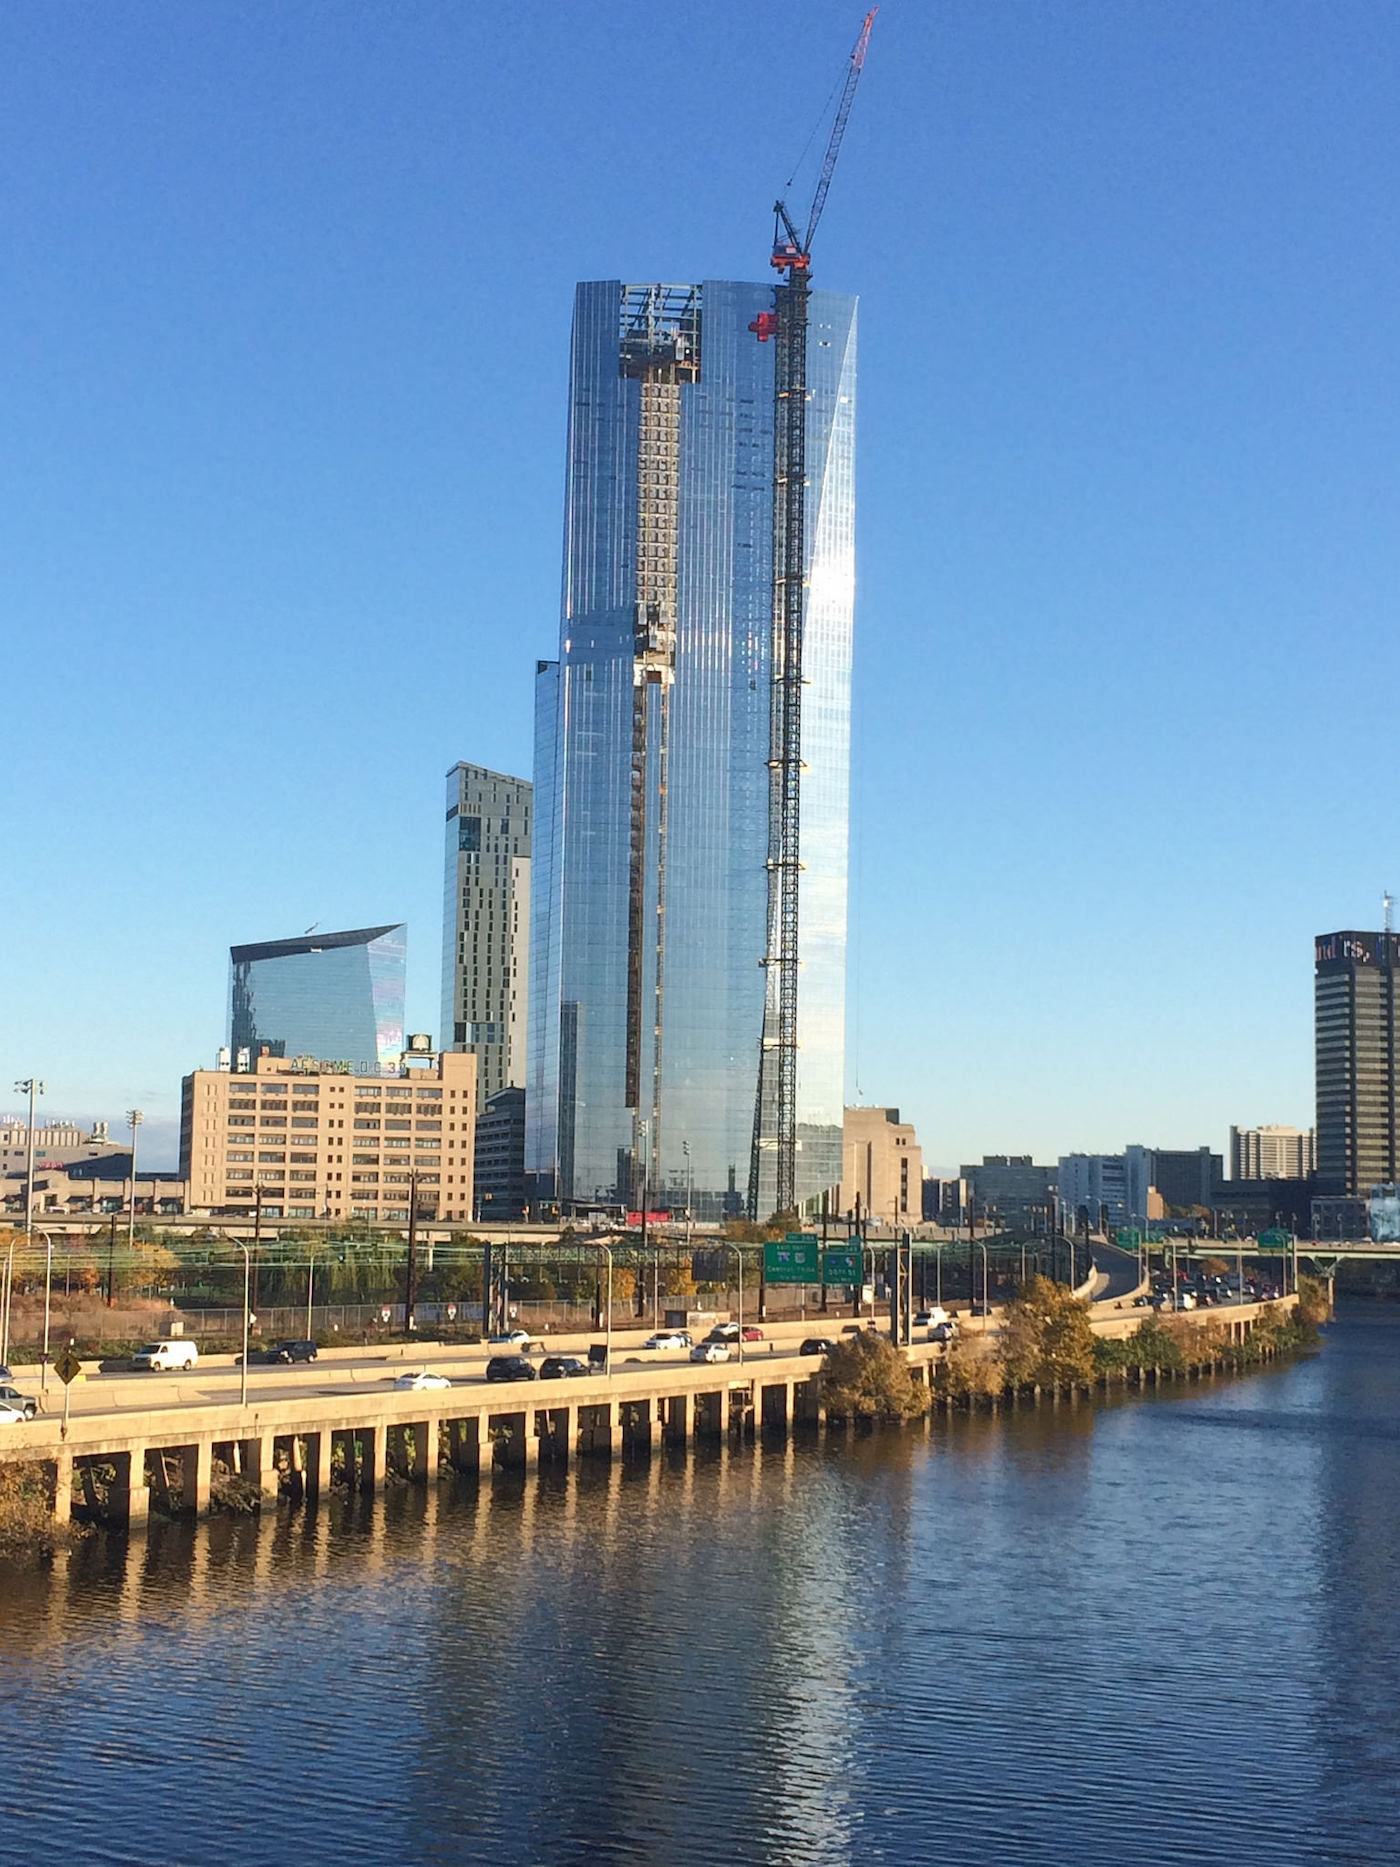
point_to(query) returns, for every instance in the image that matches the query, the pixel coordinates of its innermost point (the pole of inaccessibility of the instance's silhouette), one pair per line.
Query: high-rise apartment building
(1273, 1152)
(325, 995)
(1358, 1139)
(486, 924)
(651, 756)
(302, 1139)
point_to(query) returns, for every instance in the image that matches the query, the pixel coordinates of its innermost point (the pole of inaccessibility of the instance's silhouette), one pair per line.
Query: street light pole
(135, 1117)
(32, 1088)
(48, 1287)
(247, 1304)
(607, 1253)
(310, 1289)
(740, 1258)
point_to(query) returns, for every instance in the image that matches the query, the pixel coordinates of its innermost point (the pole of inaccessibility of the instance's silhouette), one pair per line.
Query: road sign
(1127, 1238)
(67, 1366)
(1274, 1241)
(795, 1259)
(843, 1266)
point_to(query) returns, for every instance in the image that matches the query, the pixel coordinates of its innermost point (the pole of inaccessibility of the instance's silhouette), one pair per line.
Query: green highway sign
(1274, 1241)
(1127, 1238)
(843, 1267)
(792, 1260)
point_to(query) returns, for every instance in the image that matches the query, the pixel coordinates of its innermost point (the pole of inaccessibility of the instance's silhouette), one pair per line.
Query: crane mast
(775, 1106)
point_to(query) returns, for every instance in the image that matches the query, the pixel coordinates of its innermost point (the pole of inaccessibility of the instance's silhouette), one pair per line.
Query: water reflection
(1155, 1631)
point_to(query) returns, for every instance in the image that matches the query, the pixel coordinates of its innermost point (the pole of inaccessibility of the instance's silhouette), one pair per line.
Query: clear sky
(283, 355)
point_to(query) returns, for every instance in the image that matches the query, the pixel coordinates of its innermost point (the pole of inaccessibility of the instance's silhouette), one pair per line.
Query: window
(368, 1179)
(272, 1121)
(242, 1121)
(366, 1124)
(265, 1154)
(309, 1158)
(397, 1140)
(242, 1105)
(430, 1160)
(239, 1173)
(240, 1153)
(430, 1127)
(364, 1160)
(301, 1176)
(388, 1123)
(304, 1121)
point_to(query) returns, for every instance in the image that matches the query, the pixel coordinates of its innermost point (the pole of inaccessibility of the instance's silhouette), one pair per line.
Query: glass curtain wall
(703, 903)
(336, 996)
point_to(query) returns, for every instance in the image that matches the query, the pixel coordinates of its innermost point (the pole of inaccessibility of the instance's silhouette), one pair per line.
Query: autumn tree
(865, 1375)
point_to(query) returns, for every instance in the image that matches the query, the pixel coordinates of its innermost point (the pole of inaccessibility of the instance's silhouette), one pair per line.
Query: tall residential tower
(653, 745)
(486, 924)
(1358, 1137)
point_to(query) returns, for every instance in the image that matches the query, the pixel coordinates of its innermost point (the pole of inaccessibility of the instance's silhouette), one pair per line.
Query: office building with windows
(331, 995)
(882, 1168)
(1273, 1152)
(486, 924)
(650, 883)
(1358, 1138)
(296, 1138)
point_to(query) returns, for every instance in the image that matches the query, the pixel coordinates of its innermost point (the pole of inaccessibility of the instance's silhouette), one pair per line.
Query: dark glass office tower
(1358, 1145)
(652, 740)
(334, 996)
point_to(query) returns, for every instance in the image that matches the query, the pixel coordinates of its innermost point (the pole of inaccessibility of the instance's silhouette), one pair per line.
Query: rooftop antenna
(1387, 903)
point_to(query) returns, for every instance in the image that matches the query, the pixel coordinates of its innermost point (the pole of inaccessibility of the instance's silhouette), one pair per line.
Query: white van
(161, 1355)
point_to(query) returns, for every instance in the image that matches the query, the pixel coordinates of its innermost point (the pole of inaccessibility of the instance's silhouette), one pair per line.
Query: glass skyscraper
(652, 741)
(333, 996)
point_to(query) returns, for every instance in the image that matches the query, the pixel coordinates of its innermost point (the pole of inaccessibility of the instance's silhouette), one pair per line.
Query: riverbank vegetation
(27, 1526)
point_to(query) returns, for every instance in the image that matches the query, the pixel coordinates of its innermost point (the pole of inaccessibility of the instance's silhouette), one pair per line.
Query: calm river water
(1160, 1631)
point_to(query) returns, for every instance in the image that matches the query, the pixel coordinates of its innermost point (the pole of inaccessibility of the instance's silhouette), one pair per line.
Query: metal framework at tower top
(775, 1104)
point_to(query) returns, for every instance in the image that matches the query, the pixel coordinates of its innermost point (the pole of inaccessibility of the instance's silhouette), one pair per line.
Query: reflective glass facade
(651, 782)
(335, 996)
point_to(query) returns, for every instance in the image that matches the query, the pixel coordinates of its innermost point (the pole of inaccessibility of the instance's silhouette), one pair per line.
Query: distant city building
(882, 1173)
(326, 995)
(1358, 1135)
(101, 1184)
(1272, 1153)
(945, 1202)
(1092, 1186)
(486, 923)
(1166, 1181)
(57, 1143)
(650, 1005)
(307, 1140)
(1013, 1188)
(500, 1156)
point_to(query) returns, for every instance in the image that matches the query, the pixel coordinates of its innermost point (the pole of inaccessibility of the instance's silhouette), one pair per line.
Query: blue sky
(283, 352)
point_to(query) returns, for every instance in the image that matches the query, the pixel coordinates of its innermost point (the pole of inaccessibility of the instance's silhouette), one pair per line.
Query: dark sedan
(510, 1368)
(816, 1345)
(562, 1368)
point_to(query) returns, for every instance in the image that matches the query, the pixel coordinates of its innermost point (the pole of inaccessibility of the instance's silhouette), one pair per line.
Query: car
(724, 1332)
(513, 1338)
(943, 1331)
(710, 1351)
(11, 1416)
(1143, 1302)
(857, 1328)
(292, 1351)
(563, 1368)
(817, 1345)
(930, 1318)
(157, 1357)
(669, 1338)
(751, 1334)
(420, 1383)
(510, 1368)
(12, 1397)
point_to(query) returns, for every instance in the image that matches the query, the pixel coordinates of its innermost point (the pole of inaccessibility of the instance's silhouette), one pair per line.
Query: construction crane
(775, 1107)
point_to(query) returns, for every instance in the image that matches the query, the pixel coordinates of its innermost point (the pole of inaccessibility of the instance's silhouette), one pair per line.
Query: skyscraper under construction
(654, 746)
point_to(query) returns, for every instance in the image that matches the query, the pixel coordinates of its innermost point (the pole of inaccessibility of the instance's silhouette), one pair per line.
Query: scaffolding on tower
(775, 1103)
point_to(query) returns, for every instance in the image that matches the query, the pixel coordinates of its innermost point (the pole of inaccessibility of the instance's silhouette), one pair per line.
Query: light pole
(310, 1289)
(135, 1118)
(247, 1304)
(48, 1287)
(740, 1256)
(32, 1088)
(607, 1253)
(986, 1293)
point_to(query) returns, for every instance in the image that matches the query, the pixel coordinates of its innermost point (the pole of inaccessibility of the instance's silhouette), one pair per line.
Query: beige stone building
(882, 1167)
(317, 1142)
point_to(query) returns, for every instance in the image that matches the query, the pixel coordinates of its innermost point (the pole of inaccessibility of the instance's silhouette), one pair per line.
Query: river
(1161, 1630)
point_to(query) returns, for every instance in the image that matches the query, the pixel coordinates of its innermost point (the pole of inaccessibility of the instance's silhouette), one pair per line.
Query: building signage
(795, 1259)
